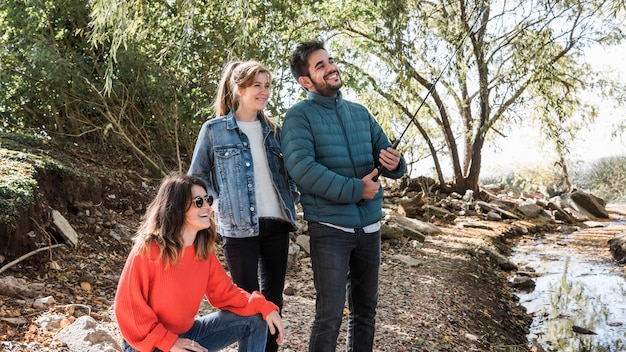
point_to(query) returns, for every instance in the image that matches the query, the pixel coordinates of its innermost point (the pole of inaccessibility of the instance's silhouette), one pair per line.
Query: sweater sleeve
(137, 321)
(223, 294)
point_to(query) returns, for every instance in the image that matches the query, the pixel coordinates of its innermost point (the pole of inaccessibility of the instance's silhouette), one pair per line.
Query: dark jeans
(265, 254)
(344, 262)
(220, 329)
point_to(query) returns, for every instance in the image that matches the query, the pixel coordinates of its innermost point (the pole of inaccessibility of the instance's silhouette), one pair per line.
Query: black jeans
(265, 254)
(345, 265)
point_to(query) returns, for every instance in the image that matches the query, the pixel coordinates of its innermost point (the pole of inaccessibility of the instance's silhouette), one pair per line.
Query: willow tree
(478, 67)
(133, 73)
(194, 39)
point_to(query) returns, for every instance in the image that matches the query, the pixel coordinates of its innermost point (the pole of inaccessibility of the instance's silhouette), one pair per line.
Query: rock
(416, 225)
(594, 205)
(289, 290)
(474, 225)
(64, 228)
(579, 216)
(410, 261)
(391, 231)
(567, 229)
(303, 242)
(44, 303)
(52, 322)
(492, 207)
(439, 213)
(411, 207)
(523, 283)
(493, 216)
(555, 204)
(86, 335)
(617, 247)
(530, 210)
(16, 287)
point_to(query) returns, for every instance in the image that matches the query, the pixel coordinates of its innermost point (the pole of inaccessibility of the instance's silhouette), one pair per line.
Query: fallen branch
(29, 254)
(76, 305)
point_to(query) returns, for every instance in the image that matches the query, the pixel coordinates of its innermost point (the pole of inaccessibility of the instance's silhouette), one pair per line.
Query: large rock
(85, 335)
(586, 202)
(530, 210)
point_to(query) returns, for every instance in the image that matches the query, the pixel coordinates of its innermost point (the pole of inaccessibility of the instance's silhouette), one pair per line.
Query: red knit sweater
(154, 305)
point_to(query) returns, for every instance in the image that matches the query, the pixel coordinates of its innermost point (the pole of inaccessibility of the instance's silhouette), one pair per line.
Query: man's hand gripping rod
(380, 168)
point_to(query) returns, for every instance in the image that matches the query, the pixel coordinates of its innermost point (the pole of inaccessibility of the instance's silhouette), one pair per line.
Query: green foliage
(606, 178)
(17, 183)
(23, 160)
(133, 73)
(142, 74)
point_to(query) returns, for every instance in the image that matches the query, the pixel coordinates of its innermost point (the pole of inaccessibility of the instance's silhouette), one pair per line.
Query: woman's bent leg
(218, 330)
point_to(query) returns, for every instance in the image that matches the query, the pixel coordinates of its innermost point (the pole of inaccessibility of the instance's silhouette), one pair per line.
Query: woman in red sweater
(171, 267)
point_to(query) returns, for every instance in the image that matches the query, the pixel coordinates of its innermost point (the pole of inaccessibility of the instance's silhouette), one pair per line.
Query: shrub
(605, 178)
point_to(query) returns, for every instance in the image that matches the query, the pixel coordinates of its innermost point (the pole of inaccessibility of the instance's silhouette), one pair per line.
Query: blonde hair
(238, 75)
(164, 220)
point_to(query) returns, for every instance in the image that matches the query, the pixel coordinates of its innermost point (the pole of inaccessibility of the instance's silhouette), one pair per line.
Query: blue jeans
(344, 263)
(220, 329)
(265, 254)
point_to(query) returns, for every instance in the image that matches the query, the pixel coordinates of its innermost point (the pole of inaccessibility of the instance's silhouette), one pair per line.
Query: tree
(138, 74)
(143, 73)
(499, 63)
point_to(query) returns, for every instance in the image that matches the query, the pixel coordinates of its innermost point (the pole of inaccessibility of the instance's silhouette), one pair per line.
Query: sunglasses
(199, 201)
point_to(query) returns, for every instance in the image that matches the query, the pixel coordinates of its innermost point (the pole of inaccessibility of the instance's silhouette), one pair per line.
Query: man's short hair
(298, 63)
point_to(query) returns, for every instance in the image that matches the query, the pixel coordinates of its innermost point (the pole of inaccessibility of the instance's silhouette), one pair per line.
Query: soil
(454, 297)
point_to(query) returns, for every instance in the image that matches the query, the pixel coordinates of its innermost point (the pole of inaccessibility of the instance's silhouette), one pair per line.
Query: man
(332, 148)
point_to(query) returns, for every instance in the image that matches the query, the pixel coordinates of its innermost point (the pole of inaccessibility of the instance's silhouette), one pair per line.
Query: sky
(523, 146)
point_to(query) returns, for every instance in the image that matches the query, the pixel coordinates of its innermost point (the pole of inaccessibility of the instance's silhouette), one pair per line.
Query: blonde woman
(238, 156)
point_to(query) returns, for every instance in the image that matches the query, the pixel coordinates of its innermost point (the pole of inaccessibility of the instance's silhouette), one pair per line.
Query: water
(577, 285)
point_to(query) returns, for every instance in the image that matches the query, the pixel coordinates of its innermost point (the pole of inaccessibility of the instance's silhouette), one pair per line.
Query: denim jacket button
(248, 164)
(249, 185)
(251, 208)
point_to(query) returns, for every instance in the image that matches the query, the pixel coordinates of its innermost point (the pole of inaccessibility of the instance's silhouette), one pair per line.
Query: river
(578, 303)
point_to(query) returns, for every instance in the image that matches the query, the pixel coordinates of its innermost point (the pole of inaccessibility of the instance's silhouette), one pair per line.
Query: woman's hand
(185, 345)
(275, 323)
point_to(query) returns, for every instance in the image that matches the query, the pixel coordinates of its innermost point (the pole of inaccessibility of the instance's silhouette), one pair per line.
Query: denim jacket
(223, 160)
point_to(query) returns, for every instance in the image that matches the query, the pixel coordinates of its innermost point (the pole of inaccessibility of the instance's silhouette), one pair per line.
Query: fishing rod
(432, 88)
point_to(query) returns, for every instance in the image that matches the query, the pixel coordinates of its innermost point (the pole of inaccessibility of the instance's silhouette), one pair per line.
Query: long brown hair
(165, 217)
(238, 75)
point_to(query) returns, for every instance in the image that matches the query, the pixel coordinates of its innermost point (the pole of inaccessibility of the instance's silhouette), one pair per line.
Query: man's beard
(325, 89)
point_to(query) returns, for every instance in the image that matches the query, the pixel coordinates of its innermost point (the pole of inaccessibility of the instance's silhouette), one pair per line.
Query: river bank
(447, 293)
